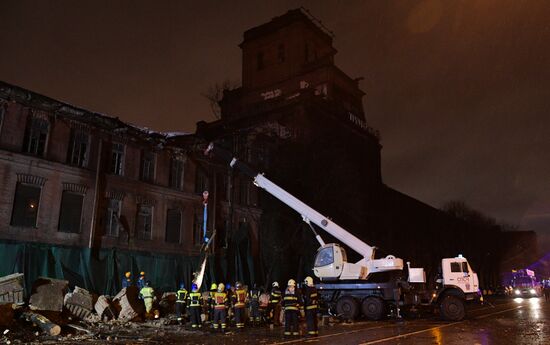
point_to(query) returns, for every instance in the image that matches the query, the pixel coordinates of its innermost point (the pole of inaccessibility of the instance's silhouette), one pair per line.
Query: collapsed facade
(86, 197)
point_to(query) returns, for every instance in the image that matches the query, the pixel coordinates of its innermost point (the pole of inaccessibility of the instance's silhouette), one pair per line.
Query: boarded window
(78, 148)
(147, 166)
(71, 212)
(173, 225)
(117, 159)
(144, 222)
(112, 217)
(35, 136)
(176, 173)
(25, 205)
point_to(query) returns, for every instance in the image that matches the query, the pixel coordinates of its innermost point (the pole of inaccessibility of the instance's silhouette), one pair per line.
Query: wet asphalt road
(500, 321)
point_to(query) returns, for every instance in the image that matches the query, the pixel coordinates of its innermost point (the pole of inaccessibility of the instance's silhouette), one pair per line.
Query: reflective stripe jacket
(311, 299)
(220, 300)
(275, 296)
(254, 297)
(239, 298)
(181, 296)
(147, 292)
(291, 300)
(195, 299)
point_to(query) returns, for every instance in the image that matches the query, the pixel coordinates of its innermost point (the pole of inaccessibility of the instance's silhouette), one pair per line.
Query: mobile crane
(348, 288)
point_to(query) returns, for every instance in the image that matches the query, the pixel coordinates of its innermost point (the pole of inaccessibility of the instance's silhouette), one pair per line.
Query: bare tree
(214, 95)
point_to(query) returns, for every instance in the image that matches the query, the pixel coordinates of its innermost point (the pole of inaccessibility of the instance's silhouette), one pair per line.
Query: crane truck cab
(457, 284)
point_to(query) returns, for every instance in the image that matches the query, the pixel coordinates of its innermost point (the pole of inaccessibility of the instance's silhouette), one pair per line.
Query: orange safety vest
(240, 298)
(220, 299)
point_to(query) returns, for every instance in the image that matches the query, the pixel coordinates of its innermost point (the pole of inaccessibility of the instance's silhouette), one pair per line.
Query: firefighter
(147, 293)
(220, 308)
(254, 303)
(141, 281)
(210, 302)
(181, 302)
(275, 304)
(311, 306)
(291, 305)
(195, 306)
(127, 280)
(239, 304)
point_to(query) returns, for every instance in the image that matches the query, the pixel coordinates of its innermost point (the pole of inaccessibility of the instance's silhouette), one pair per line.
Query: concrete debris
(79, 303)
(6, 314)
(48, 294)
(12, 288)
(44, 323)
(167, 303)
(128, 305)
(104, 309)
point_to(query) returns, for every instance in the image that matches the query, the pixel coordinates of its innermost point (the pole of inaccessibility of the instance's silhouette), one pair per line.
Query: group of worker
(223, 298)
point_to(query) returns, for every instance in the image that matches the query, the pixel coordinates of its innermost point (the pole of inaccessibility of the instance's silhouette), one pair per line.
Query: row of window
(36, 138)
(26, 208)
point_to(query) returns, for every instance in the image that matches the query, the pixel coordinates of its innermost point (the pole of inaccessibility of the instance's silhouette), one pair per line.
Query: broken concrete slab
(128, 304)
(48, 294)
(167, 303)
(12, 288)
(104, 309)
(79, 302)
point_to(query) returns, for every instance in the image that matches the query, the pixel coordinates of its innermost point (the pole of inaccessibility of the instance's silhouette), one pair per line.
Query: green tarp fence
(99, 271)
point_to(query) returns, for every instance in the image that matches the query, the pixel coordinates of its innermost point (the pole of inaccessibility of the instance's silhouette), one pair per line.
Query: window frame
(120, 149)
(31, 130)
(176, 182)
(109, 218)
(15, 202)
(66, 192)
(72, 144)
(145, 155)
(180, 213)
(139, 231)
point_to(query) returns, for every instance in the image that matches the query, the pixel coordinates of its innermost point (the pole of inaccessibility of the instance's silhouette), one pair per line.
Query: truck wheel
(452, 308)
(347, 308)
(373, 308)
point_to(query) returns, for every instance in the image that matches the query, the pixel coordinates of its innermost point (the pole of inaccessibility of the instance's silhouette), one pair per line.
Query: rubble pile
(79, 303)
(48, 294)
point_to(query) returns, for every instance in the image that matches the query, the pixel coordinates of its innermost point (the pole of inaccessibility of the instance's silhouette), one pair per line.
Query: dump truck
(371, 286)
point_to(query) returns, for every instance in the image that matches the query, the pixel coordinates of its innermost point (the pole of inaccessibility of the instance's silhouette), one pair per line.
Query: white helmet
(308, 281)
(291, 282)
(275, 284)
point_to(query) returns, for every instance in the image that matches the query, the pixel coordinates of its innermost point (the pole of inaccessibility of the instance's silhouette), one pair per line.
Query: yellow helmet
(141, 273)
(213, 286)
(128, 274)
(308, 281)
(291, 282)
(221, 287)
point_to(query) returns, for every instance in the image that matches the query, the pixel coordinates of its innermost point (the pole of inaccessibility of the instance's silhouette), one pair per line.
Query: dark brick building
(300, 119)
(77, 180)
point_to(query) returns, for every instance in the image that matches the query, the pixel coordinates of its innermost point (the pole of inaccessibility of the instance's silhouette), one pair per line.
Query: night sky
(460, 90)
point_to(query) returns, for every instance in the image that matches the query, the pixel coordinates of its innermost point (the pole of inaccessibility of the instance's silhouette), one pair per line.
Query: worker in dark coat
(311, 306)
(254, 304)
(127, 280)
(194, 301)
(274, 305)
(291, 306)
(181, 303)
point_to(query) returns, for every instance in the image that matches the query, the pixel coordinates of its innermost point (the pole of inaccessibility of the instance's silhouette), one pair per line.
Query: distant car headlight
(533, 291)
(517, 292)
